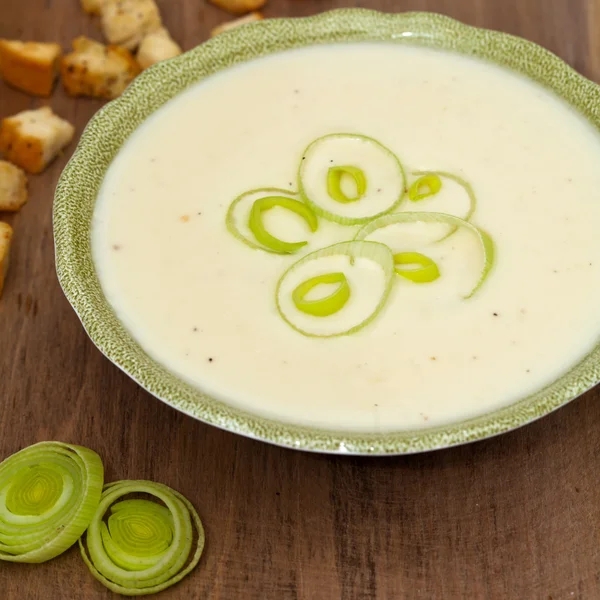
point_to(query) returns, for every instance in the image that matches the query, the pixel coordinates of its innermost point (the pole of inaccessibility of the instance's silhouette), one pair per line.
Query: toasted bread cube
(251, 18)
(155, 47)
(93, 7)
(13, 187)
(33, 138)
(127, 22)
(94, 69)
(29, 66)
(6, 234)
(239, 7)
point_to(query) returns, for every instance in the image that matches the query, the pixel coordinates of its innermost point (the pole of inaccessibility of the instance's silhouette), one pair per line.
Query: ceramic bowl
(107, 131)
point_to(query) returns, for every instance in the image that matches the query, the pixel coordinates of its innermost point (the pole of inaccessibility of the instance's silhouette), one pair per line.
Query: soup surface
(203, 303)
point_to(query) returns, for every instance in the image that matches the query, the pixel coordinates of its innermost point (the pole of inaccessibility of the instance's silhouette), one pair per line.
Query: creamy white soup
(203, 302)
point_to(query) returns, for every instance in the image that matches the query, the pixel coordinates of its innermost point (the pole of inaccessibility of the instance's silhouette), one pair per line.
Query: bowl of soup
(355, 232)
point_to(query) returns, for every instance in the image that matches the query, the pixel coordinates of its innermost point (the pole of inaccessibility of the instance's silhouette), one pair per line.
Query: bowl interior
(107, 131)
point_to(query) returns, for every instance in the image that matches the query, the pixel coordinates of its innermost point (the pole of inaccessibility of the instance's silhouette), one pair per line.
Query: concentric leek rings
(143, 549)
(48, 494)
(328, 157)
(374, 251)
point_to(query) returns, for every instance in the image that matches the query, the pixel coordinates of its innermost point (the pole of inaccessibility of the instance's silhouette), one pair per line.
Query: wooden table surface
(516, 517)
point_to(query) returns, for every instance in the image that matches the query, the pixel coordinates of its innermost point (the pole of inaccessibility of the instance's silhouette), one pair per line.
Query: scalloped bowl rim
(109, 128)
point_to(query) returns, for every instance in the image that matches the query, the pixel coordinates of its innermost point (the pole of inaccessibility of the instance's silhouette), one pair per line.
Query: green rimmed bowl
(107, 131)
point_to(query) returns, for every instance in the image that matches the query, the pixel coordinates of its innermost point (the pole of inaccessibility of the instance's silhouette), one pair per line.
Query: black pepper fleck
(495, 314)
(210, 360)
(195, 329)
(116, 247)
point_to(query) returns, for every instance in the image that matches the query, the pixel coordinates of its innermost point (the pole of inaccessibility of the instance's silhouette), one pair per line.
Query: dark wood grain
(516, 517)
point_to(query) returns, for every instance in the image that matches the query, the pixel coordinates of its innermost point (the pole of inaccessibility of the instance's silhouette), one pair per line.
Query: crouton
(6, 234)
(127, 22)
(251, 18)
(29, 66)
(239, 7)
(155, 47)
(93, 7)
(33, 138)
(94, 69)
(13, 187)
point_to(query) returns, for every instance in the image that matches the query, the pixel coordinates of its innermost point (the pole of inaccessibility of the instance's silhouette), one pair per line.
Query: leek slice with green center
(144, 547)
(430, 184)
(487, 245)
(48, 495)
(238, 215)
(296, 317)
(325, 162)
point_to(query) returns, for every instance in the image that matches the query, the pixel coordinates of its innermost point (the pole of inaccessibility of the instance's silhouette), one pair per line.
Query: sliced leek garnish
(322, 307)
(428, 179)
(351, 179)
(487, 244)
(355, 250)
(378, 165)
(238, 215)
(424, 187)
(144, 547)
(335, 177)
(266, 239)
(48, 494)
(425, 272)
